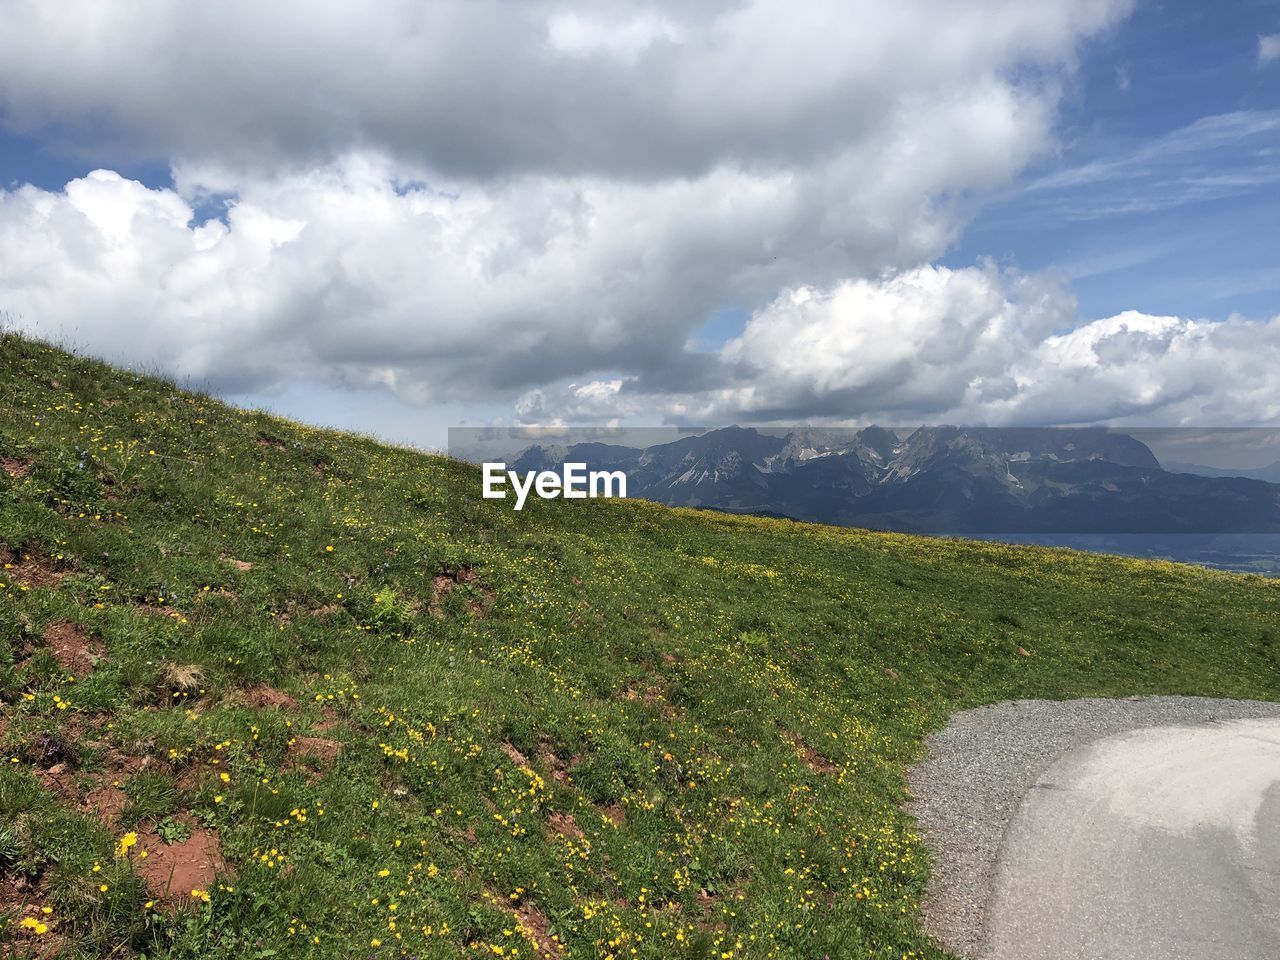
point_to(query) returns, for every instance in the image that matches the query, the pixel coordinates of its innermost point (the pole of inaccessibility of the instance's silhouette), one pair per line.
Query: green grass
(652, 733)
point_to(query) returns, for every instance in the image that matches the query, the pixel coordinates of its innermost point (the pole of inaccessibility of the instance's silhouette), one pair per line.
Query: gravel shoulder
(968, 789)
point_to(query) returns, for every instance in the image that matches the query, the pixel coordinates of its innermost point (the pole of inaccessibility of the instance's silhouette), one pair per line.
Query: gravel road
(970, 788)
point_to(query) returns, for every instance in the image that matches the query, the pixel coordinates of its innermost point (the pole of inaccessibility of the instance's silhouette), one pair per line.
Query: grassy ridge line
(370, 719)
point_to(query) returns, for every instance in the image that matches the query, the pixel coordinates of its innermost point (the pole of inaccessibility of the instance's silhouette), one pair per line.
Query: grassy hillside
(272, 691)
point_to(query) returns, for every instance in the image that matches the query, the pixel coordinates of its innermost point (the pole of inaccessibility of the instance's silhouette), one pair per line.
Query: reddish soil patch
(461, 574)
(516, 757)
(614, 813)
(172, 871)
(270, 443)
(106, 803)
(564, 825)
(891, 673)
(31, 567)
(328, 720)
(103, 798)
(812, 758)
(321, 750)
(558, 768)
(75, 651)
(646, 694)
(448, 578)
(16, 466)
(244, 566)
(328, 610)
(533, 925)
(59, 778)
(266, 697)
(20, 900)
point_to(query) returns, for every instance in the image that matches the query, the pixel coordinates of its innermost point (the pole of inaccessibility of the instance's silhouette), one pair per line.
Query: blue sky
(1186, 246)
(1188, 220)
(574, 216)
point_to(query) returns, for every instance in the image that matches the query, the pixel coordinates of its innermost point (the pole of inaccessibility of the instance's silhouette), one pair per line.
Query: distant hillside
(937, 480)
(1270, 474)
(272, 691)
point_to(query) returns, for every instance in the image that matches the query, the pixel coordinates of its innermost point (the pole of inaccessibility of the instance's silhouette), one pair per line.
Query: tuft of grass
(152, 794)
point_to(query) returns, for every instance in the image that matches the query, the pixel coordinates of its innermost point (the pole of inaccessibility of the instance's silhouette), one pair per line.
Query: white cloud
(963, 346)
(481, 200)
(572, 33)
(495, 87)
(339, 276)
(975, 346)
(1268, 48)
(365, 272)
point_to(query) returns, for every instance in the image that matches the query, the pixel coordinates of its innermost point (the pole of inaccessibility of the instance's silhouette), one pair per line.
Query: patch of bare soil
(244, 566)
(613, 812)
(172, 871)
(266, 697)
(106, 803)
(645, 694)
(533, 925)
(75, 651)
(812, 758)
(558, 769)
(22, 900)
(31, 567)
(99, 794)
(449, 578)
(18, 467)
(564, 825)
(514, 755)
(318, 751)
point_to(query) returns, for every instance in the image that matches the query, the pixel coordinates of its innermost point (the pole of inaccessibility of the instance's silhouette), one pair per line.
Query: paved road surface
(1160, 843)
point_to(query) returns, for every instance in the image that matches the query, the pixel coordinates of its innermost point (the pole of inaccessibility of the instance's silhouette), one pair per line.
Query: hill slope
(358, 716)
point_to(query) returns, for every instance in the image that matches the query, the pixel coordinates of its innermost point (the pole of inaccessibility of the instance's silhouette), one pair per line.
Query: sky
(410, 216)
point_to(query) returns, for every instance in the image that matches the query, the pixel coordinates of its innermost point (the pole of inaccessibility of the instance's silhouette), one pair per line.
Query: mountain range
(937, 479)
(1269, 473)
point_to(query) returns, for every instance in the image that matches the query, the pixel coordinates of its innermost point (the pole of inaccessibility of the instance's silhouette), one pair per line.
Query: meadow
(274, 691)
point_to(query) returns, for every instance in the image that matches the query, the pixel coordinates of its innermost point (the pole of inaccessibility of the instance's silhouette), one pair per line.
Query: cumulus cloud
(540, 202)
(493, 87)
(1268, 48)
(482, 195)
(973, 345)
(365, 272)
